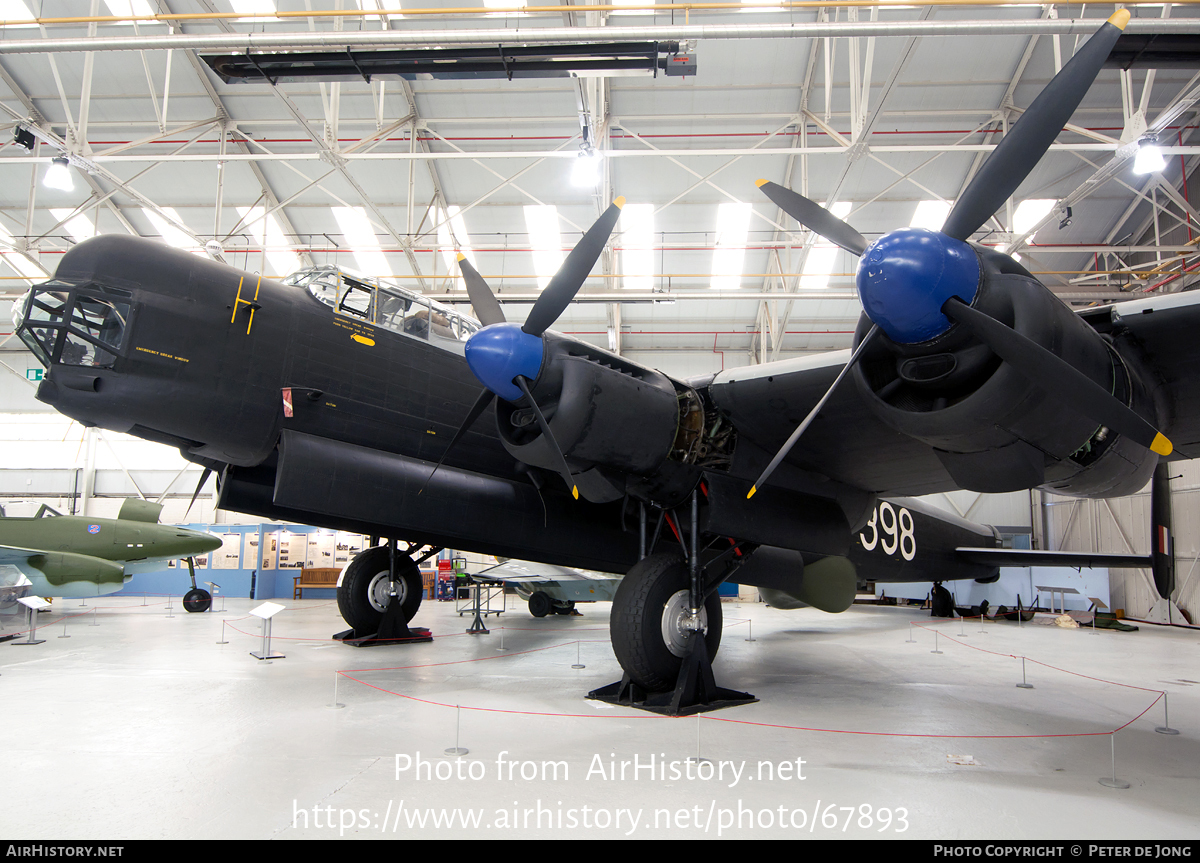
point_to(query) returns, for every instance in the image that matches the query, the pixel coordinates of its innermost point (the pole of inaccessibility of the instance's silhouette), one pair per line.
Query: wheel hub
(379, 593)
(678, 624)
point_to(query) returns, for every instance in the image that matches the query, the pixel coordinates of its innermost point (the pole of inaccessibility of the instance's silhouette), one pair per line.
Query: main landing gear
(197, 599)
(379, 593)
(666, 627)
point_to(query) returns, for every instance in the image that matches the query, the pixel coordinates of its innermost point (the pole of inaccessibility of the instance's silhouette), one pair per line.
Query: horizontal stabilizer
(1033, 557)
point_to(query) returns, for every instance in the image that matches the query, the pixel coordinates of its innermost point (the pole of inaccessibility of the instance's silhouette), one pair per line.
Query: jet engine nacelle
(605, 412)
(994, 429)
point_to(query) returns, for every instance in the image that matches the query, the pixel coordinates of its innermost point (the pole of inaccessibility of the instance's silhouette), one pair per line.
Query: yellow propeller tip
(461, 256)
(761, 183)
(1119, 19)
(619, 203)
(1161, 445)
(753, 489)
(575, 491)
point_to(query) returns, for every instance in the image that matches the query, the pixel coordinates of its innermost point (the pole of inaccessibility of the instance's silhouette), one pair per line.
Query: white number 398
(890, 531)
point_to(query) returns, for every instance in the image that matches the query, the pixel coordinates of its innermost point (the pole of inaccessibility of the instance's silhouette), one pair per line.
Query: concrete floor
(143, 726)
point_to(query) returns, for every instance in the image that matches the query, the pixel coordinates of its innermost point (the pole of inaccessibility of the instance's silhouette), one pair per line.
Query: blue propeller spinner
(500, 352)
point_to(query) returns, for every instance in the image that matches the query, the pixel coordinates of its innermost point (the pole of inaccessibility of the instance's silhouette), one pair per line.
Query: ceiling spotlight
(1066, 218)
(1149, 159)
(58, 175)
(586, 171)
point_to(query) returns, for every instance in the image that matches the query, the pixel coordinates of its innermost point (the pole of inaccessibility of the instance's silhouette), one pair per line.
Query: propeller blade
(483, 301)
(481, 403)
(203, 479)
(813, 216)
(1056, 376)
(812, 414)
(563, 469)
(1028, 140)
(571, 275)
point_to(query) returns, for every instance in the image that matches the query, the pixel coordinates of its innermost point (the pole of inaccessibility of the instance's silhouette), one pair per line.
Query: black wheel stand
(393, 629)
(696, 689)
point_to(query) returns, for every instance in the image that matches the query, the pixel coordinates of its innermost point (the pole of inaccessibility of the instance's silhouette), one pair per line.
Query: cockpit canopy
(386, 305)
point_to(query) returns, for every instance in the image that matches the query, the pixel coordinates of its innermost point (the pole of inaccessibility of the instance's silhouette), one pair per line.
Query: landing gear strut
(666, 628)
(197, 599)
(379, 593)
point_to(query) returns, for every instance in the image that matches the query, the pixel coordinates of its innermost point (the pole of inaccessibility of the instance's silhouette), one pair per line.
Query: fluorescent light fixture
(253, 7)
(733, 223)
(80, 227)
(930, 215)
(270, 236)
(170, 234)
(128, 7)
(58, 175)
(364, 245)
(1030, 212)
(454, 241)
(1149, 158)
(823, 256)
(542, 224)
(16, 10)
(587, 168)
(637, 246)
(23, 264)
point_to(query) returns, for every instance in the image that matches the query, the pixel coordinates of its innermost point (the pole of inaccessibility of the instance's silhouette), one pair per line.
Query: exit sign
(34, 374)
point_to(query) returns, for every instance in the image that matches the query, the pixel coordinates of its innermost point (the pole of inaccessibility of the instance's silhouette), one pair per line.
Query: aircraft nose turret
(905, 277)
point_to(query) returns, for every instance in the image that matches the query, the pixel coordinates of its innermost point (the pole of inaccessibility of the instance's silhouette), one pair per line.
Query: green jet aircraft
(78, 556)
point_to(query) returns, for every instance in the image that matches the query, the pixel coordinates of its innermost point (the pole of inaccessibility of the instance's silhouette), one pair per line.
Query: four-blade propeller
(915, 284)
(506, 358)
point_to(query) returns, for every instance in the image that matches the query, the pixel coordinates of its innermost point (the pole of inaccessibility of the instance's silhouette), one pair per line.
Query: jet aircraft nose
(905, 277)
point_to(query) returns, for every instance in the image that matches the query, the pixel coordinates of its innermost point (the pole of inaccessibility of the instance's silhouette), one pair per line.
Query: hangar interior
(174, 124)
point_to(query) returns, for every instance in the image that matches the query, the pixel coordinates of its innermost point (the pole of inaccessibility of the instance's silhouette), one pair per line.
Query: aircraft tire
(636, 625)
(540, 604)
(362, 591)
(197, 600)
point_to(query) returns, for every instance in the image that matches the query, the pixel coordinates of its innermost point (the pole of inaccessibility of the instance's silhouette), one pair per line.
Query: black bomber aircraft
(348, 403)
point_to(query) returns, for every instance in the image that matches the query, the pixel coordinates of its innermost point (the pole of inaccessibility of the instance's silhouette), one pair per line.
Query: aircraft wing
(844, 443)
(1034, 557)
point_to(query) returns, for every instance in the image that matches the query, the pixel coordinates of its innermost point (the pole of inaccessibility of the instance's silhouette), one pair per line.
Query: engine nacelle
(605, 412)
(993, 429)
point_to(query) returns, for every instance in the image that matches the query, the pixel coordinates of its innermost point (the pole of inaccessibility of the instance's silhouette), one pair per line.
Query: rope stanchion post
(1166, 728)
(697, 758)
(935, 642)
(223, 640)
(457, 751)
(910, 639)
(336, 705)
(95, 622)
(1114, 782)
(502, 647)
(170, 610)
(64, 635)
(578, 660)
(750, 631)
(1024, 684)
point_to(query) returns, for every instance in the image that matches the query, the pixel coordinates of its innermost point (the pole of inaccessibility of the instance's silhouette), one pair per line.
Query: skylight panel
(170, 234)
(733, 223)
(128, 7)
(80, 227)
(280, 255)
(253, 7)
(15, 10)
(1030, 212)
(823, 256)
(364, 245)
(637, 246)
(542, 224)
(931, 215)
(452, 242)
